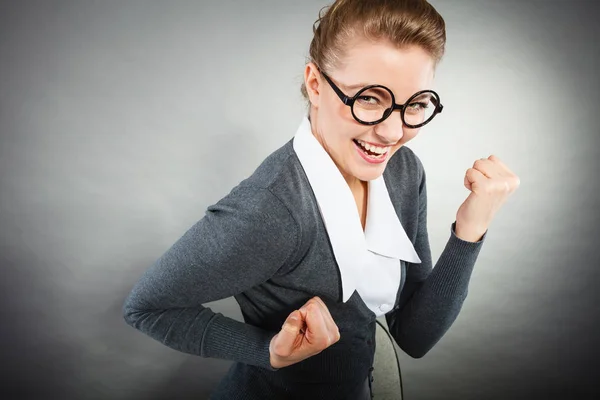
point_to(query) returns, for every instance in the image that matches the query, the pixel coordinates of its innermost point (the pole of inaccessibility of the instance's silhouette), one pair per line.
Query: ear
(312, 81)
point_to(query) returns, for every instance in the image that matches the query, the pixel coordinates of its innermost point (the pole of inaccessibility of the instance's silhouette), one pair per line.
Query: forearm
(428, 308)
(201, 332)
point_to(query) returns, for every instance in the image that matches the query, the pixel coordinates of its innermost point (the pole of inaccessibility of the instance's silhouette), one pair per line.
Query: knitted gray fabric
(265, 243)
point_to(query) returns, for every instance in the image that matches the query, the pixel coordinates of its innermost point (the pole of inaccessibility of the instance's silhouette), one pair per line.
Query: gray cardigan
(265, 244)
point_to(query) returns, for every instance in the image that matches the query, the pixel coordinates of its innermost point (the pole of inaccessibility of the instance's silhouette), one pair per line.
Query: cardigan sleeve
(432, 298)
(241, 241)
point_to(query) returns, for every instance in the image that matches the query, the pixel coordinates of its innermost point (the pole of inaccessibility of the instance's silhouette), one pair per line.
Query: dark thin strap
(371, 381)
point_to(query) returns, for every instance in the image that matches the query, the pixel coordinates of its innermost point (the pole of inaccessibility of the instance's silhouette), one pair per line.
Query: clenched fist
(306, 332)
(490, 182)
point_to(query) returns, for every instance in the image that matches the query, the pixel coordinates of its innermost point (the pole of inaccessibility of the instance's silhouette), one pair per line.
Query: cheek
(332, 104)
(346, 130)
(408, 134)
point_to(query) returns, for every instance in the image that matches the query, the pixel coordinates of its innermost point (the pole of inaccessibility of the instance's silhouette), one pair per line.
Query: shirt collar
(383, 234)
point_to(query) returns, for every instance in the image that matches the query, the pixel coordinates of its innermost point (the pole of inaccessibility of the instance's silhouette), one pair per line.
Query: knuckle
(277, 351)
(289, 327)
(280, 351)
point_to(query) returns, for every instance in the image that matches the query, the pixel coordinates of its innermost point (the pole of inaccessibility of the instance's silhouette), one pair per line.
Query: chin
(369, 174)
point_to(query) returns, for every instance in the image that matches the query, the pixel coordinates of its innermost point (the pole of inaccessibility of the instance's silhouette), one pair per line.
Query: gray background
(121, 121)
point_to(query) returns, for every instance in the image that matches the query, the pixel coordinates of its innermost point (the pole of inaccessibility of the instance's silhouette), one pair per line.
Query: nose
(391, 130)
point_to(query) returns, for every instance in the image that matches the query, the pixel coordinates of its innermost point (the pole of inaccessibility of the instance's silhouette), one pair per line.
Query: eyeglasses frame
(349, 101)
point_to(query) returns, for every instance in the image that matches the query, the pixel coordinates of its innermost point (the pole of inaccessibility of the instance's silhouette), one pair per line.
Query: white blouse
(369, 260)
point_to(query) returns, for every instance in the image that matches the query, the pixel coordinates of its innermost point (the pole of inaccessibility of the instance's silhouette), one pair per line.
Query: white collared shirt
(369, 260)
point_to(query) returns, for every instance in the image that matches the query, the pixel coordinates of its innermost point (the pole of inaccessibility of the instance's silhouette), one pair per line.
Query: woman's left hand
(490, 182)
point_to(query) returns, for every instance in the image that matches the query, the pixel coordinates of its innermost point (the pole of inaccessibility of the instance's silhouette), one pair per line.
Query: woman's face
(404, 72)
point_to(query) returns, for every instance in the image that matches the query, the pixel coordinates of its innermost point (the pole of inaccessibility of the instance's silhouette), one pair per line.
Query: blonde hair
(402, 22)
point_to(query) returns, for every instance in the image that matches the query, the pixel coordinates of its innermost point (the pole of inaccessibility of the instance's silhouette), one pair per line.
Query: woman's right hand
(306, 332)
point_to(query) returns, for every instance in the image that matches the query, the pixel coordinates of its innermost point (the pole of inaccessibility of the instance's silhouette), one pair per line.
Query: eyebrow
(362, 85)
(357, 86)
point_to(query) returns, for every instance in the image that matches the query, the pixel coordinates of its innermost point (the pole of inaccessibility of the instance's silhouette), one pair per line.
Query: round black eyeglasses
(375, 103)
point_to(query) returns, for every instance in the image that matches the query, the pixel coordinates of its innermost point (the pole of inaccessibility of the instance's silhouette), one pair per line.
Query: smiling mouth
(370, 150)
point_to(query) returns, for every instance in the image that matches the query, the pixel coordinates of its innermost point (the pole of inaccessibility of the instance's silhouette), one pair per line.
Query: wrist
(469, 233)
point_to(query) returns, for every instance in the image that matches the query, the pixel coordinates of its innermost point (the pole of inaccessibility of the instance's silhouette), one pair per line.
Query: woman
(330, 231)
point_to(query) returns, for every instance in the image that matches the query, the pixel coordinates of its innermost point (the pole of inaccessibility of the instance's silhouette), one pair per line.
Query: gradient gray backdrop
(121, 121)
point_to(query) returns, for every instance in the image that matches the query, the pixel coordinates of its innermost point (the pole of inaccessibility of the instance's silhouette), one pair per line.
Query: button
(385, 307)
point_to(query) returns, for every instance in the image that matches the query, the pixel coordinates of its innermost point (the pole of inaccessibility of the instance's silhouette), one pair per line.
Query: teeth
(374, 149)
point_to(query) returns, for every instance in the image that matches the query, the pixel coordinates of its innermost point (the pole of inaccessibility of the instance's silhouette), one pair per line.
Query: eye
(368, 100)
(417, 107)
